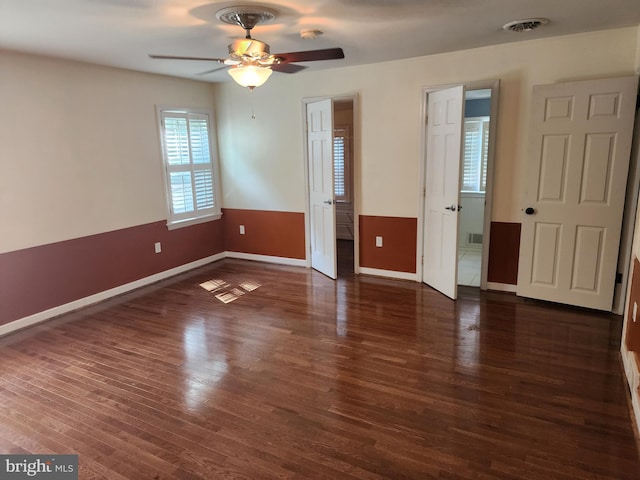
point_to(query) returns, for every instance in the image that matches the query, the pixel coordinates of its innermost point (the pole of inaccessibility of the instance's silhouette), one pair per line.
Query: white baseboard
(388, 273)
(98, 297)
(633, 381)
(502, 287)
(294, 262)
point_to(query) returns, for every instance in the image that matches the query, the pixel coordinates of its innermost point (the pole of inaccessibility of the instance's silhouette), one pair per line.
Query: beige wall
(80, 151)
(81, 154)
(638, 51)
(262, 159)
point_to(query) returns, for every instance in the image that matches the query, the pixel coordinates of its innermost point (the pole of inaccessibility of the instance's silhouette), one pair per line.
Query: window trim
(210, 215)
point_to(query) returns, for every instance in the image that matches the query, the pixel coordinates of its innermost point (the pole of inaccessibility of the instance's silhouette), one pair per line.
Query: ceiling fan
(250, 61)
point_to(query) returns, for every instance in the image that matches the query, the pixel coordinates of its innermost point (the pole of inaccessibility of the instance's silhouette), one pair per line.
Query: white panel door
(444, 150)
(321, 197)
(580, 142)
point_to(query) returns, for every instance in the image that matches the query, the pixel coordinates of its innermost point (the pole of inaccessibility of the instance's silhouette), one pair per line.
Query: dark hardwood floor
(307, 378)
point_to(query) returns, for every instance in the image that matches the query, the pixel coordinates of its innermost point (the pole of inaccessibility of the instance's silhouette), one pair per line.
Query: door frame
(354, 97)
(629, 216)
(494, 86)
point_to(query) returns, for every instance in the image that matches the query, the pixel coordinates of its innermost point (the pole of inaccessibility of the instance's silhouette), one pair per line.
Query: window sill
(193, 221)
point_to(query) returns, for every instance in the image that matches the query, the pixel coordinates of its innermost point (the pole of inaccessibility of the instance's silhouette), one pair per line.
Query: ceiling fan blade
(311, 55)
(211, 71)
(287, 67)
(172, 57)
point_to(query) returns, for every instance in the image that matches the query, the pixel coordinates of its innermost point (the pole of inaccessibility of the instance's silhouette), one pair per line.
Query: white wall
(262, 158)
(471, 218)
(80, 148)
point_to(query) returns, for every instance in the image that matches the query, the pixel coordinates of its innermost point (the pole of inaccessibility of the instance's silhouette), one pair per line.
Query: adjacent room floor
(469, 266)
(302, 377)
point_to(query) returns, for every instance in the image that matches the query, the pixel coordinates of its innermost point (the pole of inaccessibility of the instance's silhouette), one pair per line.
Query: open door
(321, 190)
(579, 150)
(442, 196)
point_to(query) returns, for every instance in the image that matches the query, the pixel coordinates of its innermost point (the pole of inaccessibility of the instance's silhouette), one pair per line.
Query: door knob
(328, 202)
(529, 211)
(453, 208)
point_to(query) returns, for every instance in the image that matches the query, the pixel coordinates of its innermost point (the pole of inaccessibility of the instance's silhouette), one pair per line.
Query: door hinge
(618, 278)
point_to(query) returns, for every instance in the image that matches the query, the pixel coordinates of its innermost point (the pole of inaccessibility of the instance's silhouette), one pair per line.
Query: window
(341, 164)
(190, 172)
(476, 147)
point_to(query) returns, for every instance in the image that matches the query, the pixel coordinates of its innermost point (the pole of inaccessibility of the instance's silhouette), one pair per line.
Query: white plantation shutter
(476, 147)
(338, 166)
(204, 188)
(471, 167)
(341, 164)
(181, 192)
(189, 167)
(485, 155)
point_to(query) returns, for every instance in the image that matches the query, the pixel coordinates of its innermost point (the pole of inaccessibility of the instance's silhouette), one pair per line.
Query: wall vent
(474, 239)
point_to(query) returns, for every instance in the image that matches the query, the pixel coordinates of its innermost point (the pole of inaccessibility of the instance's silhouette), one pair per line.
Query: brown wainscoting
(39, 278)
(504, 250)
(399, 237)
(632, 335)
(277, 234)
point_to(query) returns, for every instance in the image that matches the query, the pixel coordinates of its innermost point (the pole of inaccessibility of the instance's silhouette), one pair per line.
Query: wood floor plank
(306, 377)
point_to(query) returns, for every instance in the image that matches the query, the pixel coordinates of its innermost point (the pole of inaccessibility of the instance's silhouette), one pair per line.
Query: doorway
(458, 146)
(343, 127)
(331, 132)
(473, 172)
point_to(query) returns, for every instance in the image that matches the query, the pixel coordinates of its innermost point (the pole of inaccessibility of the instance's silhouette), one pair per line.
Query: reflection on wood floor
(306, 378)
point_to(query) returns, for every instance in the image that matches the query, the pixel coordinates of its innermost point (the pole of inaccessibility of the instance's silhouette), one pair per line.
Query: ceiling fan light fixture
(250, 60)
(250, 76)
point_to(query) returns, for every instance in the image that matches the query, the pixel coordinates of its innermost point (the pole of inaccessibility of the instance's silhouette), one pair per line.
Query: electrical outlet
(158, 247)
(241, 229)
(378, 241)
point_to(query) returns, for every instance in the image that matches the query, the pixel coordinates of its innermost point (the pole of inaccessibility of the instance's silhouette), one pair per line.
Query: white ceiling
(121, 33)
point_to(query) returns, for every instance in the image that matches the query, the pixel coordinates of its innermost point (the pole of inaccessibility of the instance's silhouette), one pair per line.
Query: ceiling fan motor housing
(249, 49)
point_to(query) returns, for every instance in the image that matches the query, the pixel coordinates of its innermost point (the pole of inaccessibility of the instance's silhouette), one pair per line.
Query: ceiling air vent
(525, 25)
